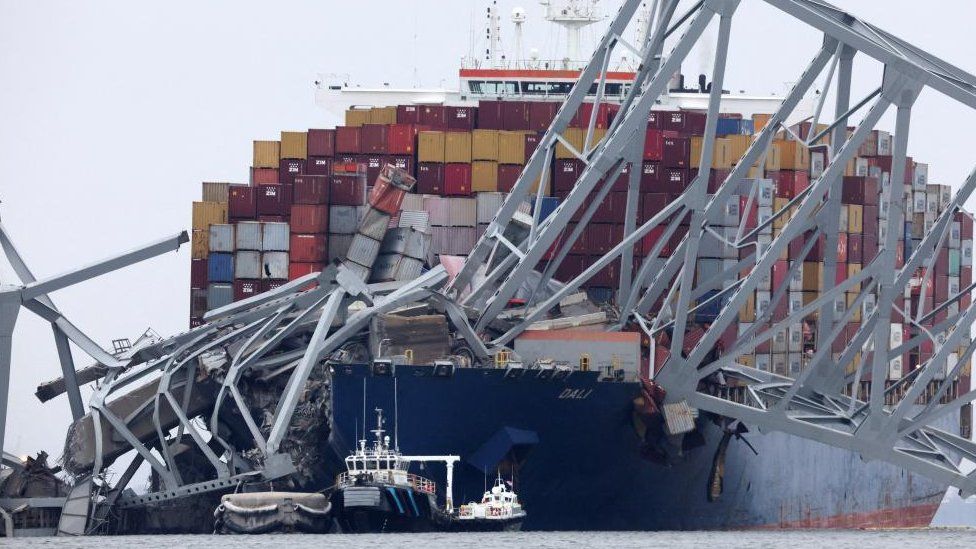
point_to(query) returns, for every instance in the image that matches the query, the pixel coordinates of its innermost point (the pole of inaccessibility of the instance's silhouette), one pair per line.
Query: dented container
(363, 250)
(374, 224)
(274, 265)
(391, 267)
(338, 245)
(343, 220)
(406, 241)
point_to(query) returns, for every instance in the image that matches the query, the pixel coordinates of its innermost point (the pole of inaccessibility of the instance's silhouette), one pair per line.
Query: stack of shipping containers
(465, 159)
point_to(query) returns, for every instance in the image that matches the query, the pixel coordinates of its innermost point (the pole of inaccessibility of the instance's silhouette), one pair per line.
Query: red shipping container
(716, 178)
(653, 144)
(298, 270)
(241, 202)
(320, 142)
(272, 200)
(607, 277)
(650, 239)
(404, 163)
(965, 225)
(655, 119)
(434, 116)
(860, 190)
(781, 269)
(348, 159)
(686, 123)
(311, 189)
(310, 218)
(789, 183)
(244, 288)
(389, 189)
(264, 176)
(799, 243)
(515, 115)
(318, 165)
(674, 181)
(652, 204)
(541, 114)
(884, 163)
(752, 215)
(579, 245)
(565, 173)
(650, 177)
(869, 247)
(676, 152)
(402, 139)
(289, 168)
(348, 191)
(373, 138)
(267, 284)
(348, 140)
(373, 166)
(490, 115)
(601, 238)
(508, 175)
(273, 218)
(570, 268)
(457, 179)
(308, 248)
(531, 144)
(462, 118)
(408, 114)
(430, 178)
(198, 274)
(581, 119)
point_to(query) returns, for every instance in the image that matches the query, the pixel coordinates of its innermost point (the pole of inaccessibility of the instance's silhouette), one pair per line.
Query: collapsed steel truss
(817, 403)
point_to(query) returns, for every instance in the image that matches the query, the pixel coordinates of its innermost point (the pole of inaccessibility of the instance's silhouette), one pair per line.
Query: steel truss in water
(816, 404)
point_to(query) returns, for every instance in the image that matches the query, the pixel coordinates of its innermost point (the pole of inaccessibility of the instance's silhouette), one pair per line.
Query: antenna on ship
(518, 17)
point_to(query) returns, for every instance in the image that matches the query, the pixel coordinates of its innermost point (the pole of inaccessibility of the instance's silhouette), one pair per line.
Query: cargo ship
(572, 429)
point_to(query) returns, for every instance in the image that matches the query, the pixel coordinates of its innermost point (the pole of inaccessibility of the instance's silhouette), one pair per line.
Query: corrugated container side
(247, 264)
(215, 191)
(308, 248)
(418, 219)
(439, 209)
(453, 240)
(199, 244)
(430, 146)
(484, 145)
(412, 201)
(198, 274)
(339, 245)
(457, 147)
(266, 154)
(300, 269)
(484, 176)
(221, 238)
(309, 218)
(382, 115)
(220, 267)
(206, 214)
(374, 224)
(511, 147)
(356, 269)
(275, 237)
(406, 241)
(241, 203)
(219, 295)
(343, 220)
(294, 145)
(463, 212)
(395, 267)
(348, 140)
(356, 117)
(244, 289)
(363, 250)
(274, 265)
(248, 235)
(198, 302)
(488, 205)
(320, 142)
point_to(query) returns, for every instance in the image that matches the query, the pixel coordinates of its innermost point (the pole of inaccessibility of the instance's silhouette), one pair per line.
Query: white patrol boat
(499, 510)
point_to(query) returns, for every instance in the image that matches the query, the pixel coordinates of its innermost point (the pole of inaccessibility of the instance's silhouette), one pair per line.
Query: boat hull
(382, 508)
(587, 444)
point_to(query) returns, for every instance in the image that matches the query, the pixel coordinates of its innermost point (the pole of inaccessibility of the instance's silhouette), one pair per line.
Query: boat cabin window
(493, 87)
(611, 89)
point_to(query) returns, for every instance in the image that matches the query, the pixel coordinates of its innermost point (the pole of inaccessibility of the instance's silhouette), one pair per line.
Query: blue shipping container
(547, 206)
(220, 267)
(734, 126)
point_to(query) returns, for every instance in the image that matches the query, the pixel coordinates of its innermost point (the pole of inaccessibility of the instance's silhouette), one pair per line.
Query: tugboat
(378, 494)
(499, 511)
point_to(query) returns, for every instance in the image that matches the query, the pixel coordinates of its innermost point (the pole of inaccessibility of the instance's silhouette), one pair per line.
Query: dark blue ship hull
(580, 465)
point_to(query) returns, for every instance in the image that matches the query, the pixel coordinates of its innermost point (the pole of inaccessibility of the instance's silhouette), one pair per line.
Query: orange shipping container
(484, 176)
(457, 147)
(759, 121)
(787, 155)
(266, 154)
(294, 144)
(721, 159)
(484, 145)
(430, 147)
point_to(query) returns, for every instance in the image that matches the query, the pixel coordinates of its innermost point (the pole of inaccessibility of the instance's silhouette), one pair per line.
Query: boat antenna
(396, 417)
(364, 408)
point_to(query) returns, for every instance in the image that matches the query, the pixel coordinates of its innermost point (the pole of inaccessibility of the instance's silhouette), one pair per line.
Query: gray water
(886, 539)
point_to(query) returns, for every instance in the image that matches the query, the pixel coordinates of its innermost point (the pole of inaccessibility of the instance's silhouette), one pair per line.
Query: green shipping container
(954, 263)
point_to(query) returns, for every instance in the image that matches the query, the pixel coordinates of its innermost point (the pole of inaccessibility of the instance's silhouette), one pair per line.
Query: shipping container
(408, 114)
(309, 218)
(462, 118)
(418, 219)
(453, 240)
(541, 114)
(274, 265)
(343, 220)
(221, 238)
(508, 175)
(220, 267)
(511, 147)
(320, 142)
(215, 191)
(374, 139)
(402, 139)
(198, 302)
(272, 200)
(249, 235)
(457, 147)
(289, 169)
(484, 144)
(363, 250)
(247, 264)
(318, 165)
(206, 214)
(430, 146)
(484, 176)
(374, 225)
(198, 274)
(219, 294)
(457, 179)
(308, 248)
(264, 176)
(275, 237)
(338, 245)
(266, 154)
(348, 190)
(294, 145)
(348, 140)
(300, 269)
(391, 267)
(241, 203)
(434, 116)
(406, 241)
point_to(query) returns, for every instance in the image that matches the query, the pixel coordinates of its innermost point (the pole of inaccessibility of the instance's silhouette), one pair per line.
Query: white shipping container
(764, 196)
(374, 224)
(966, 253)
(795, 333)
(412, 201)
(274, 265)
(363, 250)
(781, 341)
(780, 364)
(762, 303)
(763, 362)
(338, 245)
(794, 301)
(357, 269)
(222, 238)
(219, 295)
(817, 164)
(343, 220)
(276, 237)
(795, 363)
(488, 205)
(392, 267)
(439, 210)
(418, 219)
(248, 235)
(861, 167)
(945, 197)
(953, 285)
(247, 264)
(796, 281)
(463, 212)
(452, 240)
(955, 235)
(406, 241)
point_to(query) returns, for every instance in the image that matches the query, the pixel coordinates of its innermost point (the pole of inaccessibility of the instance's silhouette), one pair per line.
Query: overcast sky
(112, 113)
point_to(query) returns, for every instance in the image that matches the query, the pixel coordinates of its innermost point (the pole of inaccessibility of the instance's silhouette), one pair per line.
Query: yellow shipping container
(856, 316)
(759, 121)
(855, 218)
(430, 146)
(457, 147)
(853, 269)
(381, 115)
(294, 144)
(266, 154)
(749, 361)
(511, 147)
(206, 214)
(574, 136)
(721, 158)
(484, 176)
(778, 204)
(357, 117)
(199, 244)
(812, 273)
(748, 311)
(738, 144)
(484, 145)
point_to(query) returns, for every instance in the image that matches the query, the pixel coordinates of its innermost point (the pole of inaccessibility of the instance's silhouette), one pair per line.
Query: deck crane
(257, 336)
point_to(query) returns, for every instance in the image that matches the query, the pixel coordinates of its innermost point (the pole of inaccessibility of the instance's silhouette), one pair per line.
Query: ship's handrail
(417, 482)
